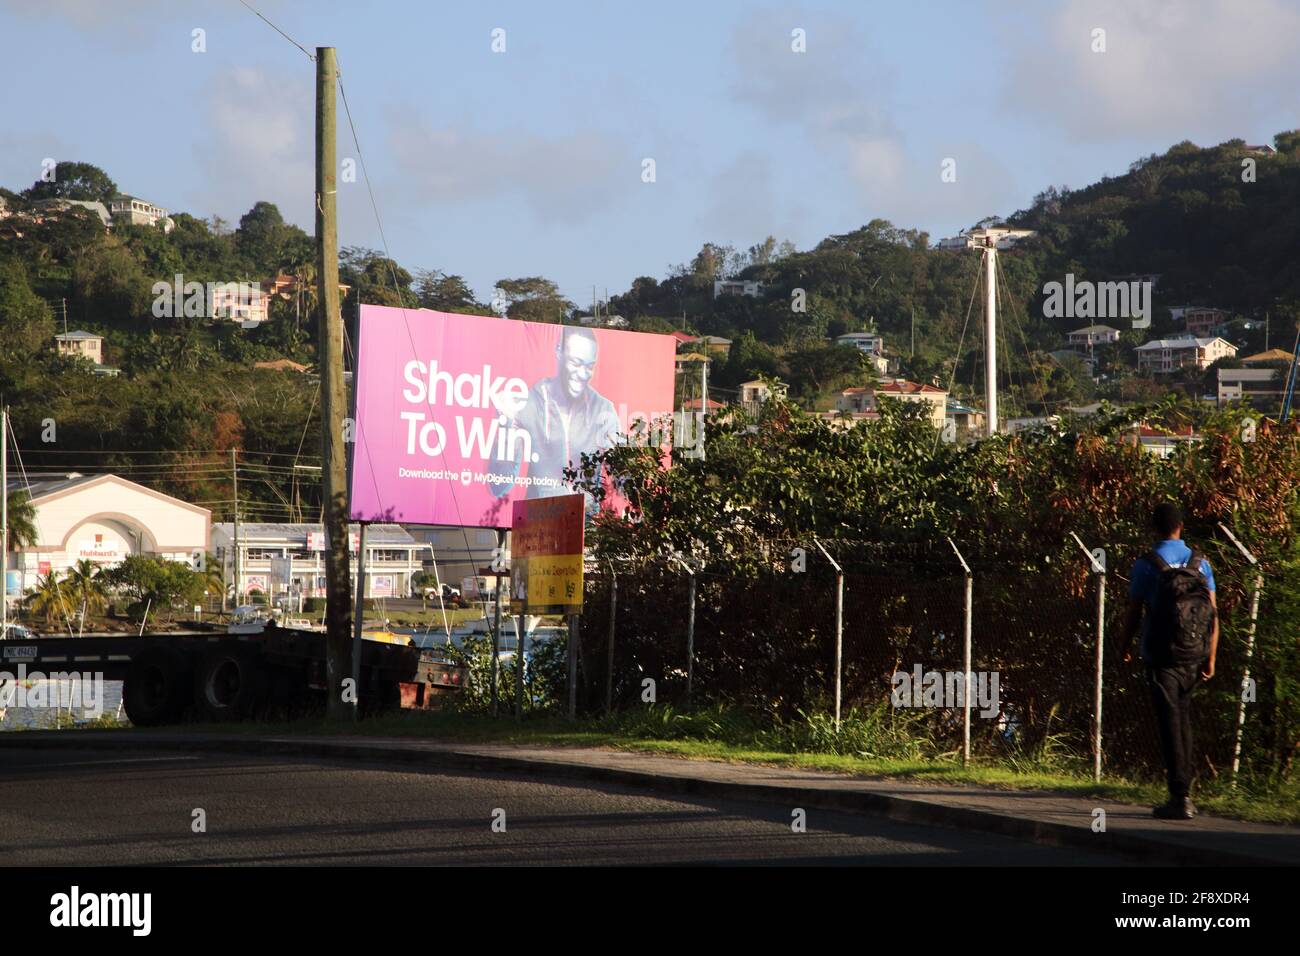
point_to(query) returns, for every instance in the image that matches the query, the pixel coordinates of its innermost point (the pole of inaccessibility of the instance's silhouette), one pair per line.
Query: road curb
(902, 809)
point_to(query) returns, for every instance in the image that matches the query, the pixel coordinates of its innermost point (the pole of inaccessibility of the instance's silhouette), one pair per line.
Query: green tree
(26, 322)
(534, 299)
(442, 292)
(73, 180)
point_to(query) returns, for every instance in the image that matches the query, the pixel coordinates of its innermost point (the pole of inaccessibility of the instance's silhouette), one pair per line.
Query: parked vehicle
(17, 632)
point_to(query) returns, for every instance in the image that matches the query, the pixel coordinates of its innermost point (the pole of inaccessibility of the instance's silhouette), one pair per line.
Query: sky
(512, 139)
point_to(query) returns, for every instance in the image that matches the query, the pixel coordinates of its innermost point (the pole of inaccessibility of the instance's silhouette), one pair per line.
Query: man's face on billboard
(577, 364)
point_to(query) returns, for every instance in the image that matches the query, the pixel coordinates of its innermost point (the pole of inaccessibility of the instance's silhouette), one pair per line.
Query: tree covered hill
(1218, 224)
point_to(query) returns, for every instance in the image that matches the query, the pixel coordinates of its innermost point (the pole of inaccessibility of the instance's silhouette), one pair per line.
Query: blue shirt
(1145, 582)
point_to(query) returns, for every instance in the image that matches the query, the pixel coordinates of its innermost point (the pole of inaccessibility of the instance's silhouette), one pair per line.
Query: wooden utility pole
(338, 611)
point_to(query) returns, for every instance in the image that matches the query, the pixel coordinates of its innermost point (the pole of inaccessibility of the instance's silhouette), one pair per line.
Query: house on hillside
(139, 212)
(1264, 358)
(1092, 335)
(81, 344)
(747, 287)
(869, 342)
(861, 399)
(753, 395)
(1200, 320)
(967, 421)
(1163, 356)
(1262, 388)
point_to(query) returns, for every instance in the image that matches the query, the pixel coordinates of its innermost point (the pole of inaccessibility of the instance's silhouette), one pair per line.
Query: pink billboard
(459, 416)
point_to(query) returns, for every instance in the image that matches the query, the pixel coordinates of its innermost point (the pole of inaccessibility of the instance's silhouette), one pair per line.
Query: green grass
(729, 736)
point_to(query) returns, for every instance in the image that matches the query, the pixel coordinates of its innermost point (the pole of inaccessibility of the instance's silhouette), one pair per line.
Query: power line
(383, 238)
(309, 54)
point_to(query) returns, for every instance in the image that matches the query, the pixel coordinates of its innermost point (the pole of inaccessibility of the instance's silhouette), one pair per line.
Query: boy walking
(1171, 593)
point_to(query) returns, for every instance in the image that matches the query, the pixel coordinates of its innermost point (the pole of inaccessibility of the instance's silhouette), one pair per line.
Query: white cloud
(1172, 68)
(565, 177)
(833, 93)
(255, 141)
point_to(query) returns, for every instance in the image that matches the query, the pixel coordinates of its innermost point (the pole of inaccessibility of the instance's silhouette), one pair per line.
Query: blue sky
(529, 162)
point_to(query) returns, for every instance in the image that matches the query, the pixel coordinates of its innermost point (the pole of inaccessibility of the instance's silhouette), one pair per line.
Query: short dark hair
(573, 331)
(1167, 518)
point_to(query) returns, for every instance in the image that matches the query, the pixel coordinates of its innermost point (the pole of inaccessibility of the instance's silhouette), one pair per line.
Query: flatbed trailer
(208, 674)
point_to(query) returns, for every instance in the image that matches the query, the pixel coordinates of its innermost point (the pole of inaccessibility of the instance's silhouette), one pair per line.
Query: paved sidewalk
(1040, 817)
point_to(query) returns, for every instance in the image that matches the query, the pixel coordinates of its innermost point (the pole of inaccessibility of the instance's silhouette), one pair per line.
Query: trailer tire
(229, 684)
(157, 687)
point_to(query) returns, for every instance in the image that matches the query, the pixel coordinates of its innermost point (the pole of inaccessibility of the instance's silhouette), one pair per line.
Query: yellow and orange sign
(546, 555)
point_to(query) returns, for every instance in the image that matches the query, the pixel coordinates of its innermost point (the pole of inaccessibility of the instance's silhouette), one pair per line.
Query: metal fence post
(1100, 571)
(839, 631)
(609, 662)
(966, 655)
(573, 666)
(690, 623)
(1250, 652)
(690, 640)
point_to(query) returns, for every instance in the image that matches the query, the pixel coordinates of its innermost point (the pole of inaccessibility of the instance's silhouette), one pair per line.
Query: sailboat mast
(990, 333)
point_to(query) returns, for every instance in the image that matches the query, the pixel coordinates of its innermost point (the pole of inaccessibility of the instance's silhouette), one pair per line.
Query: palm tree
(22, 520)
(49, 598)
(84, 587)
(213, 577)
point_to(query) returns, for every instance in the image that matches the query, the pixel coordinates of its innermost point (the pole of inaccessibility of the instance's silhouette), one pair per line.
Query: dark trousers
(1171, 691)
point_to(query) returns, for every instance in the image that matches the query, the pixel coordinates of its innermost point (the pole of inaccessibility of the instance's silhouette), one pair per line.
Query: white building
(103, 518)
(81, 344)
(1092, 335)
(138, 212)
(278, 559)
(868, 342)
(723, 287)
(1170, 355)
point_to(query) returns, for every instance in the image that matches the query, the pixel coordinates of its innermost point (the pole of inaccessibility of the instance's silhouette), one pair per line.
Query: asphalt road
(65, 807)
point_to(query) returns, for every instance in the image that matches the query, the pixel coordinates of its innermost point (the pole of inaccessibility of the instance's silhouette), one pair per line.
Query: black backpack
(1182, 616)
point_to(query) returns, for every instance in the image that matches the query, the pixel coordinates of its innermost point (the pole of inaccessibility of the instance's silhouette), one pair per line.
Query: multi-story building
(1262, 388)
(243, 302)
(139, 212)
(754, 394)
(747, 287)
(1092, 335)
(869, 342)
(81, 344)
(1200, 320)
(101, 519)
(1170, 355)
(860, 399)
(289, 559)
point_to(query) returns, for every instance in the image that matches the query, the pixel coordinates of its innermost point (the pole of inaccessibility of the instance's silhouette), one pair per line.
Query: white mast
(988, 241)
(990, 334)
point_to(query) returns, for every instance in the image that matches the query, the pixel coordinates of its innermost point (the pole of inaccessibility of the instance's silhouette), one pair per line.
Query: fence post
(609, 663)
(573, 667)
(839, 631)
(690, 624)
(966, 654)
(1250, 652)
(1100, 571)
